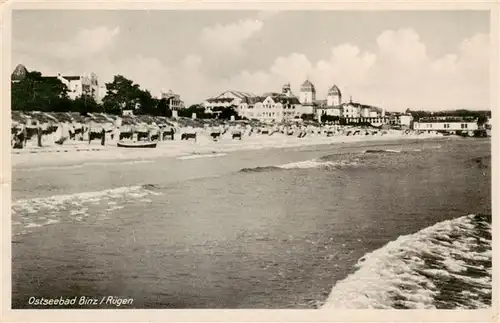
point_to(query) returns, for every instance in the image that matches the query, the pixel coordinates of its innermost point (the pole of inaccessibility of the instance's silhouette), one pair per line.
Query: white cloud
(87, 42)
(192, 62)
(228, 39)
(399, 75)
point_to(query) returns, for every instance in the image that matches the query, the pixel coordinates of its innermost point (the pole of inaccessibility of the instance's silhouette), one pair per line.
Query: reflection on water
(245, 230)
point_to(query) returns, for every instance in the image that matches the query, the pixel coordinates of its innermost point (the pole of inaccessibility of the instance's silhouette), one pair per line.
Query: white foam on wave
(383, 151)
(201, 156)
(399, 275)
(113, 163)
(115, 207)
(52, 202)
(33, 225)
(314, 163)
(32, 213)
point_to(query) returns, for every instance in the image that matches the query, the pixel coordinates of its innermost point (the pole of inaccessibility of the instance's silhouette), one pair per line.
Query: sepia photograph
(251, 159)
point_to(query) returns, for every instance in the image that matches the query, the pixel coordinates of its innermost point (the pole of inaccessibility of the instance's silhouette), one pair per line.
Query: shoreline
(172, 210)
(76, 153)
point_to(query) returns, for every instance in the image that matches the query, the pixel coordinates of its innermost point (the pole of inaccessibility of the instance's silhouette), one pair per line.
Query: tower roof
(19, 72)
(286, 89)
(334, 90)
(307, 86)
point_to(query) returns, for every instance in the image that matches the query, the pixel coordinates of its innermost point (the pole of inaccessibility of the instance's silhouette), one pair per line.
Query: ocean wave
(445, 266)
(306, 164)
(259, 169)
(111, 162)
(38, 212)
(319, 163)
(198, 156)
(382, 151)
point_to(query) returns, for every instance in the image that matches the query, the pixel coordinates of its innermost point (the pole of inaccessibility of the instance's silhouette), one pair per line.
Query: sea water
(378, 225)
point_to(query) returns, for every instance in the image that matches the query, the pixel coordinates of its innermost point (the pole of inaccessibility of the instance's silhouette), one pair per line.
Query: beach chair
(215, 135)
(61, 140)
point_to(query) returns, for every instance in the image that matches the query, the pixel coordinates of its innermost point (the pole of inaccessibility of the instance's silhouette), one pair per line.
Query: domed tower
(307, 93)
(334, 96)
(19, 73)
(287, 90)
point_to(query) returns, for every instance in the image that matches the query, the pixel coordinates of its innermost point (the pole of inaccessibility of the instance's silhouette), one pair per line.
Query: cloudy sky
(431, 60)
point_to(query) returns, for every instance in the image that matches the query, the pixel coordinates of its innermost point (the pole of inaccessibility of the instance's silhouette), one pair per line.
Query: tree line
(48, 94)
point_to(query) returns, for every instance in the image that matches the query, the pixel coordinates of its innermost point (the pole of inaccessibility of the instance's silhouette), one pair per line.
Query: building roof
(287, 99)
(307, 86)
(50, 77)
(334, 90)
(237, 94)
(447, 119)
(19, 73)
(364, 106)
(284, 99)
(271, 94)
(251, 99)
(71, 78)
(276, 97)
(320, 103)
(220, 100)
(331, 107)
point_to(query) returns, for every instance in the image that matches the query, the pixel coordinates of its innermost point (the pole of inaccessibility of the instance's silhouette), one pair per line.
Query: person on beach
(103, 137)
(39, 135)
(20, 137)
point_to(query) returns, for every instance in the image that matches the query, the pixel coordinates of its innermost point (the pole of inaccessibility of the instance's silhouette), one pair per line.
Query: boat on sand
(136, 144)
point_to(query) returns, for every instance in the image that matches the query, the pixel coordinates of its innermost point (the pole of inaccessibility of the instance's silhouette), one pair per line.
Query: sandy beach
(82, 151)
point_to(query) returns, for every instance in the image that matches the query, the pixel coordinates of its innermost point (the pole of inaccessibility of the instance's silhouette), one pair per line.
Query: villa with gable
(277, 107)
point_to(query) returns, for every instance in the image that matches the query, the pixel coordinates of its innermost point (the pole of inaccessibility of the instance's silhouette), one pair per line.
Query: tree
(163, 109)
(39, 93)
(86, 104)
(307, 116)
(228, 112)
(147, 104)
(195, 108)
(123, 94)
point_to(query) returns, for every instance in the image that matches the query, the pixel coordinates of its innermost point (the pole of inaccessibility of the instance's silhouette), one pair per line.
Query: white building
(277, 107)
(334, 111)
(334, 97)
(174, 101)
(226, 99)
(272, 107)
(445, 124)
(354, 110)
(307, 93)
(405, 120)
(102, 91)
(79, 85)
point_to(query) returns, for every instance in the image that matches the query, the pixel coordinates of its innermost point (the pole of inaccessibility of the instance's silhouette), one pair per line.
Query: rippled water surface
(276, 228)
